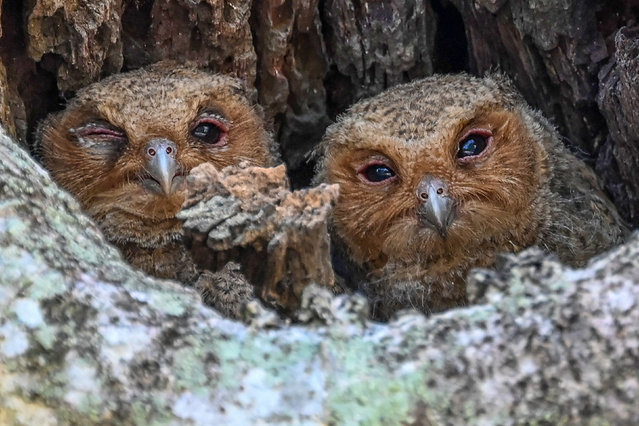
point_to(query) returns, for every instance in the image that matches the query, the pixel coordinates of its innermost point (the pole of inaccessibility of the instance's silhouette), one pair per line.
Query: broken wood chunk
(248, 215)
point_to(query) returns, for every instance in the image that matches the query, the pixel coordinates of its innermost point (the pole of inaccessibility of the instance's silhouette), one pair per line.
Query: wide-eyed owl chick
(440, 175)
(124, 145)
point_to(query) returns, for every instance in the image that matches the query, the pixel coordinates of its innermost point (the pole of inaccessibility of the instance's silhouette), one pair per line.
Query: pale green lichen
(271, 355)
(151, 413)
(47, 284)
(83, 385)
(46, 336)
(351, 391)
(18, 268)
(14, 226)
(169, 303)
(28, 312)
(189, 368)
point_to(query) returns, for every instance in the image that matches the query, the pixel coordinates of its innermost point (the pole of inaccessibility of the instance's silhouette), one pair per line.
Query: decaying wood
(85, 339)
(84, 35)
(6, 114)
(374, 45)
(292, 64)
(248, 215)
(210, 33)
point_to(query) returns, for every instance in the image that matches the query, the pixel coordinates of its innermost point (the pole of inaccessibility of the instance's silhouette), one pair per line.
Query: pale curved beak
(161, 162)
(437, 208)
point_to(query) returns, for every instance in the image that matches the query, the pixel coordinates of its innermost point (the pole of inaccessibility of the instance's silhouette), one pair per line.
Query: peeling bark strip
(85, 339)
(248, 215)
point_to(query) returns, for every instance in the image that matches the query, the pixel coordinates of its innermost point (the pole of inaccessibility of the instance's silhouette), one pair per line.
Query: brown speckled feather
(515, 186)
(101, 148)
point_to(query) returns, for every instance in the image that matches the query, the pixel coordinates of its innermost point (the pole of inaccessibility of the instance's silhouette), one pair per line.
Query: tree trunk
(309, 60)
(86, 339)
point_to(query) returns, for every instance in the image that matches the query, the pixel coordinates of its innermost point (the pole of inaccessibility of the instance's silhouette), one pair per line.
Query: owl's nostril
(431, 187)
(160, 147)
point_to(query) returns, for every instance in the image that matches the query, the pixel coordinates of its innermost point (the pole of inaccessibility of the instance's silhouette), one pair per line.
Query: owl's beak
(161, 163)
(437, 209)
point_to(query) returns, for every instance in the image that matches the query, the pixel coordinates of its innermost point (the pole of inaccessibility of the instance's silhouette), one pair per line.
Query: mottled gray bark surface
(85, 339)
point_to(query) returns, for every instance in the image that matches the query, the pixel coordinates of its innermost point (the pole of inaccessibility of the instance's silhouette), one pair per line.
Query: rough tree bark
(375, 45)
(248, 215)
(619, 102)
(85, 339)
(309, 60)
(291, 68)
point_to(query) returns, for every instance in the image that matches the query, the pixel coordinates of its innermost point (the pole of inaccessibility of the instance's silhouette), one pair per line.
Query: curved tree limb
(86, 339)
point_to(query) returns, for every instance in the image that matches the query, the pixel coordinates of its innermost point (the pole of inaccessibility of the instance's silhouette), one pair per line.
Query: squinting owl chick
(439, 175)
(124, 145)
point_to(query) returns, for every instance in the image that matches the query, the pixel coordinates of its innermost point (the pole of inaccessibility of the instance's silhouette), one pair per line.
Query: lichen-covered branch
(86, 339)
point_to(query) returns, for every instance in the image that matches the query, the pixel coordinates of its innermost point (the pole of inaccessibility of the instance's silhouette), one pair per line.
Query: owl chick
(124, 145)
(439, 176)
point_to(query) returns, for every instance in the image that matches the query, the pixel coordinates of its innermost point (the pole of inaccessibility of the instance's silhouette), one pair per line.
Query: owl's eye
(101, 138)
(211, 130)
(472, 145)
(101, 132)
(376, 173)
(207, 132)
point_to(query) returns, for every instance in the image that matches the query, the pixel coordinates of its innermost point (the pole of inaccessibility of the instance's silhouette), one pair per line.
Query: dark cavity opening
(451, 45)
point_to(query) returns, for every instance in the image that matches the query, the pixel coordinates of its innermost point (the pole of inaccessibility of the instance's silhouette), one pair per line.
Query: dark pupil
(472, 145)
(378, 173)
(207, 132)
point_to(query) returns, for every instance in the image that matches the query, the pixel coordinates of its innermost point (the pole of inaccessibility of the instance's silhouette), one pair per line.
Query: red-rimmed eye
(211, 131)
(376, 173)
(101, 132)
(474, 143)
